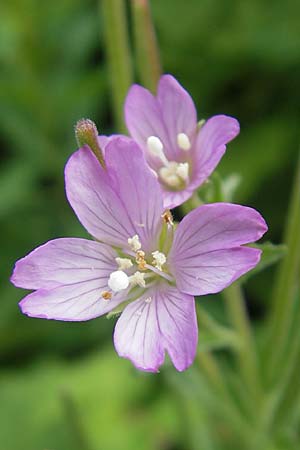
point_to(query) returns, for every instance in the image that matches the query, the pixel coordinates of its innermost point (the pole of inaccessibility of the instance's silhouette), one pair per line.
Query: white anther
(159, 259)
(169, 177)
(124, 263)
(118, 281)
(183, 170)
(156, 148)
(138, 278)
(135, 243)
(183, 141)
(174, 174)
(148, 300)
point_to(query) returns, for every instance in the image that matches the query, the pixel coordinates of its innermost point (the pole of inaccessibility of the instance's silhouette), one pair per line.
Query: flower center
(135, 271)
(171, 173)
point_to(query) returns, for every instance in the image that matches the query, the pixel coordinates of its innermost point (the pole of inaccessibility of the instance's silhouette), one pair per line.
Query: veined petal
(210, 145)
(206, 255)
(102, 198)
(138, 189)
(64, 261)
(105, 140)
(164, 319)
(95, 202)
(178, 111)
(144, 118)
(75, 302)
(175, 198)
(212, 272)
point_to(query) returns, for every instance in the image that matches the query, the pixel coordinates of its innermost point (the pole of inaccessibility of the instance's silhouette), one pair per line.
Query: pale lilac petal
(114, 205)
(172, 199)
(75, 302)
(105, 140)
(163, 319)
(209, 273)
(94, 201)
(206, 256)
(64, 261)
(210, 145)
(138, 188)
(178, 111)
(144, 118)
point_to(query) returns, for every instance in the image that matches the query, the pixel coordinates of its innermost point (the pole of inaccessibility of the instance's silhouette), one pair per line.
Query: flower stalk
(283, 299)
(118, 54)
(145, 44)
(246, 354)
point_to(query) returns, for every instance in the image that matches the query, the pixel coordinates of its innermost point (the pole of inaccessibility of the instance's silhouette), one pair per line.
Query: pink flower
(138, 263)
(181, 152)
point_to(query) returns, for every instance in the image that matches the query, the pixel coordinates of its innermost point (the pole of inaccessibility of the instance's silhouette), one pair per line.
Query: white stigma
(183, 171)
(135, 243)
(156, 148)
(138, 278)
(183, 141)
(118, 281)
(159, 259)
(124, 263)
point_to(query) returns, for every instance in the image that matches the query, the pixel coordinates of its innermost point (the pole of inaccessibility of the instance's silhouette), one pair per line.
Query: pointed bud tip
(86, 133)
(85, 130)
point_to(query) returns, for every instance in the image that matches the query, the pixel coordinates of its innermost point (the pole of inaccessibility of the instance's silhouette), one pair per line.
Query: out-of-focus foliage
(238, 58)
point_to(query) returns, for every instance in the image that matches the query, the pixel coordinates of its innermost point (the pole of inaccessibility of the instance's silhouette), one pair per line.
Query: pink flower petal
(143, 117)
(206, 255)
(62, 262)
(75, 302)
(70, 275)
(138, 189)
(176, 198)
(111, 204)
(210, 146)
(162, 319)
(178, 111)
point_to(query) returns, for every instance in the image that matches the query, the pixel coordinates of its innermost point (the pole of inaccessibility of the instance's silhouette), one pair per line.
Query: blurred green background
(62, 387)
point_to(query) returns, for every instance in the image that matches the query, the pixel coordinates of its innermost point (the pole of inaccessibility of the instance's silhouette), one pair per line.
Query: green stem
(206, 321)
(146, 49)
(246, 353)
(285, 394)
(74, 421)
(281, 314)
(118, 54)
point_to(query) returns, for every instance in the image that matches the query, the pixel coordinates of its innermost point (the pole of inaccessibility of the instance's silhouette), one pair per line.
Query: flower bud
(86, 133)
